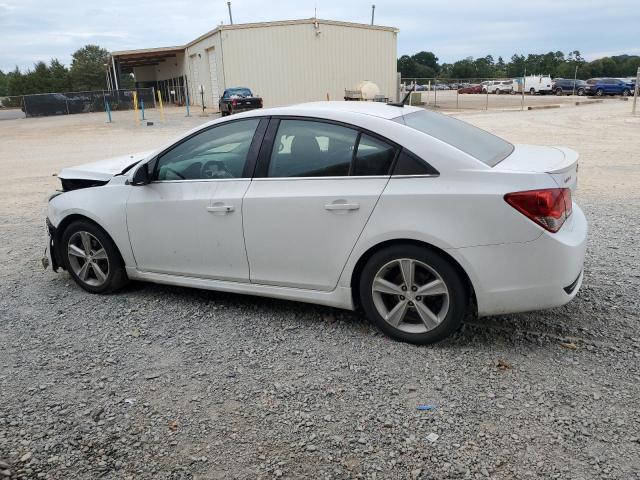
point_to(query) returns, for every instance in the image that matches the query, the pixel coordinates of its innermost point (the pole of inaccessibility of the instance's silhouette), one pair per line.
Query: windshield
(240, 92)
(478, 143)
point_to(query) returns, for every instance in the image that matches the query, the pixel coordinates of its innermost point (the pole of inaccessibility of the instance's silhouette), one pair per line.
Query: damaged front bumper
(50, 252)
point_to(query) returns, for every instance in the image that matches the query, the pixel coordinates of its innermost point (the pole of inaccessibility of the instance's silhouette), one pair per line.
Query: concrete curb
(587, 102)
(543, 107)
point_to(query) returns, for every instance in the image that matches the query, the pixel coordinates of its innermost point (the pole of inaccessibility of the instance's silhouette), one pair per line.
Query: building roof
(279, 23)
(145, 56)
(153, 56)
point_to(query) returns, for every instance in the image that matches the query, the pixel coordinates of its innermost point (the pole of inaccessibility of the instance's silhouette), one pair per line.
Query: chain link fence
(67, 103)
(534, 91)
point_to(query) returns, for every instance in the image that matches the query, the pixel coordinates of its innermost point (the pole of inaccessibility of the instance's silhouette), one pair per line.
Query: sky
(33, 30)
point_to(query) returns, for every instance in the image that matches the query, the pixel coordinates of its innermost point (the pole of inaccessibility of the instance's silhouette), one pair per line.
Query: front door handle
(341, 206)
(220, 209)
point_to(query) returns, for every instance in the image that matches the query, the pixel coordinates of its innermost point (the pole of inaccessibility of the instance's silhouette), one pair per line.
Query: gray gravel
(160, 382)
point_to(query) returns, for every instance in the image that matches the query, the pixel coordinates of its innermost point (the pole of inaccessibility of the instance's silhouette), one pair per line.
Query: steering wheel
(175, 172)
(215, 169)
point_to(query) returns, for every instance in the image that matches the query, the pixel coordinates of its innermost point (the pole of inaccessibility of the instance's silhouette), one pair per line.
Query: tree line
(87, 72)
(556, 64)
(89, 65)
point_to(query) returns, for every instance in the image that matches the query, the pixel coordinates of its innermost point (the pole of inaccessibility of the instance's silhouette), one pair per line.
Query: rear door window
(373, 157)
(306, 148)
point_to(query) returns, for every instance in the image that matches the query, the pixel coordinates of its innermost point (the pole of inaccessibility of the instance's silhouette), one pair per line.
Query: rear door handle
(220, 209)
(341, 206)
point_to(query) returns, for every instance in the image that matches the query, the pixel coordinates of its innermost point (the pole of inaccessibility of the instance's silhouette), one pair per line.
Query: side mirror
(141, 175)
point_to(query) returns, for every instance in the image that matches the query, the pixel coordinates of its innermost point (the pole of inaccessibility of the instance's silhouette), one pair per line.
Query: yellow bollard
(135, 107)
(161, 105)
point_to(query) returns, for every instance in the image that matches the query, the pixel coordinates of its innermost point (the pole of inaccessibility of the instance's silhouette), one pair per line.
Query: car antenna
(404, 100)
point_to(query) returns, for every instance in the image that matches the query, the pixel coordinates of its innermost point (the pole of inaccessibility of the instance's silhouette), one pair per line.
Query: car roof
(375, 109)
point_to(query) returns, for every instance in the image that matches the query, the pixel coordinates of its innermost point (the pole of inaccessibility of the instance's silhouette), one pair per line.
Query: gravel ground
(160, 382)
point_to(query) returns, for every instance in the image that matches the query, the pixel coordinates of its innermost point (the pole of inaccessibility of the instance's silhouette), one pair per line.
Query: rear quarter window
(480, 144)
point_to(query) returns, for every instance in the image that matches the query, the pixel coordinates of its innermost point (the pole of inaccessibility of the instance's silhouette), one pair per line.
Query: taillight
(234, 102)
(549, 208)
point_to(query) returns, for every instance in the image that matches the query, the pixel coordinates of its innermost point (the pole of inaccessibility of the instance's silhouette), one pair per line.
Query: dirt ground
(164, 382)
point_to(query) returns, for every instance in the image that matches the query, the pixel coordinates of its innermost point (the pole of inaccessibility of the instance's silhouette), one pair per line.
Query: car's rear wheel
(559, 91)
(91, 258)
(532, 91)
(413, 294)
(580, 92)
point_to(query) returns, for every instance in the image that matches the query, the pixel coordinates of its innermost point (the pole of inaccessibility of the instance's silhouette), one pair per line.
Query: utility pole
(373, 12)
(575, 78)
(635, 91)
(115, 73)
(230, 17)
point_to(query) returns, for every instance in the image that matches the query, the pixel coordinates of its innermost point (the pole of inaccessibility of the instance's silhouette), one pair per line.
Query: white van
(533, 84)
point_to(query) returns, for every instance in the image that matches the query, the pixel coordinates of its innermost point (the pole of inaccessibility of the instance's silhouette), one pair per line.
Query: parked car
(238, 99)
(608, 86)
(471, 89)
(568, 86)
(417, 217)
(500, 86)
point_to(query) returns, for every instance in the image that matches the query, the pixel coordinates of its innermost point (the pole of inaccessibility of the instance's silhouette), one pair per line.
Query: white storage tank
(368, 89)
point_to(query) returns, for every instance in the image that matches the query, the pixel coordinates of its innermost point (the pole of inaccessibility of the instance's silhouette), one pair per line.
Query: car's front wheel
(599, 92)
(91, 258)
(626, 92)
(413, 294)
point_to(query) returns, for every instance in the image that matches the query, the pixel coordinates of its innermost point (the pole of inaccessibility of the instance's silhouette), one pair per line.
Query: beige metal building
(284, 62)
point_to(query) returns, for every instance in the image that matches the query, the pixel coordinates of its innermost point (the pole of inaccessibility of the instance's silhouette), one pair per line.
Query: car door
(188, 220)
(315, 187)
(610, 86)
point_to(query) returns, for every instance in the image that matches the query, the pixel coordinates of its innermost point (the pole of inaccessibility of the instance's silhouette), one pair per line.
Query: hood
(103, 170)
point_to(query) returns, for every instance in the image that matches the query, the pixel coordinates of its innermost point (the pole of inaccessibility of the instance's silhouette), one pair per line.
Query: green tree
(88, 68)
(4, 84)
(59, 77)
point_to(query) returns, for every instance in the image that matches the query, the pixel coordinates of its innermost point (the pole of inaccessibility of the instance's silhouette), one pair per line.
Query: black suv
(565, 86)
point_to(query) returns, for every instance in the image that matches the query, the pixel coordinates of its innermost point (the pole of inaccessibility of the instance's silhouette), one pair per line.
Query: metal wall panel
(301, 62)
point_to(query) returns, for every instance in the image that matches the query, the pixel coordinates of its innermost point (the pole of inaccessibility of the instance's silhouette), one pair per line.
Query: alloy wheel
(410, 295)
(88, 258)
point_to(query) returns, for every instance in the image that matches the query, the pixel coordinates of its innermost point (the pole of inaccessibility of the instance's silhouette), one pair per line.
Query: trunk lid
(559, 162)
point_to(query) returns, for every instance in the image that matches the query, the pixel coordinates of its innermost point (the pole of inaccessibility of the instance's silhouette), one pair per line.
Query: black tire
(580, 92)
(116, 276)
(456, 286)
(559, 91)
(599, 92)
(626, 92)
(532, 91)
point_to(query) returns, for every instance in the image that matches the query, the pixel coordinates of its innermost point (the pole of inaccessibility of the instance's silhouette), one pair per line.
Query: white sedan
(415, 217)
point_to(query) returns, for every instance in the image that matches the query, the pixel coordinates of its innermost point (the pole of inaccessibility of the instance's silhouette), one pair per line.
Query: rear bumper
(244, 108)
(536, 275)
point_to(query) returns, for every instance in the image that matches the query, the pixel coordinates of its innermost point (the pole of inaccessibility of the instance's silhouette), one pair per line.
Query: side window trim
(258, 136)
(354, 153)
(264, 157)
